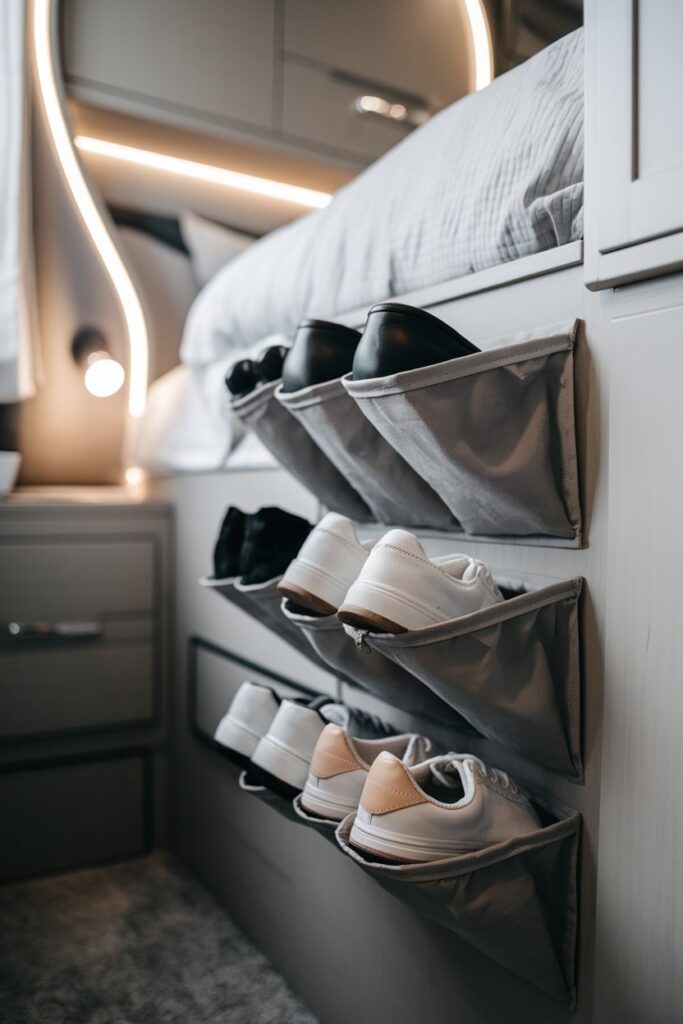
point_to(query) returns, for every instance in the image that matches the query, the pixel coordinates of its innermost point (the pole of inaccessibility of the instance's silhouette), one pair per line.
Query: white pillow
(211, 245)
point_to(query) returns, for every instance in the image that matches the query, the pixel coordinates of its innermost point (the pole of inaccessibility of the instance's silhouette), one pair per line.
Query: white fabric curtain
(16, 262)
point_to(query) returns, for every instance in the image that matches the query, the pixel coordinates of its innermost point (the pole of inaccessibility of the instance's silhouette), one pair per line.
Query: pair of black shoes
(258, 546)
(396, 338)
(246, 375)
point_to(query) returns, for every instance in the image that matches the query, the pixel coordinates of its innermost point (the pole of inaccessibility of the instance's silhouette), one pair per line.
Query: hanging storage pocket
(516, 902)
(493, 433)
(266, 796)
(324, 826)
(291, 445)
(392, 490)
(262, 602)
(359, 665)
(512, 670)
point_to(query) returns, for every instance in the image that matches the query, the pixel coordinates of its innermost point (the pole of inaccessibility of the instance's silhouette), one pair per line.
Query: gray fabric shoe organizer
(493, 433)
(362, 667)
(516, 902)
(323, 826)
(297, 451)
(262, 601)
(278, 803)
(393, 491)
(511, 670)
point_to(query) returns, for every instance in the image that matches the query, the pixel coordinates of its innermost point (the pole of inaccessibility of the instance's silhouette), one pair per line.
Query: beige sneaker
(447, 806)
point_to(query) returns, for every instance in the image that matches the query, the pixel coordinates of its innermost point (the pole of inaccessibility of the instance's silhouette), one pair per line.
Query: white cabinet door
(209, 58)
(634, 172)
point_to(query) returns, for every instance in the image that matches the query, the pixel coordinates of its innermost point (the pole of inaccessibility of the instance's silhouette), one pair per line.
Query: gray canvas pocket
(262, 602)
(292, 446)
(493, 433)
(512, 670)
(516, 902)
(323, 826)
(393, 491)
(359, 665)
(266, 796)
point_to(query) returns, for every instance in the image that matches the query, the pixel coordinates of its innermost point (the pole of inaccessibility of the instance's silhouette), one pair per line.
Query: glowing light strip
(136, 327)
(204, 172)
(481, 42)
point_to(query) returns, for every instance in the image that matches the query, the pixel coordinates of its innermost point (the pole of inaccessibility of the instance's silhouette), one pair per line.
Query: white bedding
(496, 176)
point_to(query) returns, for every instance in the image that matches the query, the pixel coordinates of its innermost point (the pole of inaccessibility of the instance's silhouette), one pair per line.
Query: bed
(494, 178)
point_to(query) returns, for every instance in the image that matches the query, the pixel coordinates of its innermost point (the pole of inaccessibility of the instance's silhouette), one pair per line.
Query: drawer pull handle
(53, 630)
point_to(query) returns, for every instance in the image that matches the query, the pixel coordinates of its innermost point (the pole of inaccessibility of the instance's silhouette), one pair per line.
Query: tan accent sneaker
(340, 766)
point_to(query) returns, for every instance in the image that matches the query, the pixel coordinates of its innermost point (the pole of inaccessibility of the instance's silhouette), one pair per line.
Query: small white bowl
(9, 467)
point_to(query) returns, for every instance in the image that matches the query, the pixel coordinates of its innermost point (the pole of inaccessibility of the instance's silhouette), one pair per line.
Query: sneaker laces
(495, 775)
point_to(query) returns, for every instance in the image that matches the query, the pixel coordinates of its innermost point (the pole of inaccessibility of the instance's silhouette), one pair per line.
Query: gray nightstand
(84, 609)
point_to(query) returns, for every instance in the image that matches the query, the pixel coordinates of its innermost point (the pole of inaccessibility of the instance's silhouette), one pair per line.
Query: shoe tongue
(448, 773)
(337, 714)
(470, 570)
(404, 540)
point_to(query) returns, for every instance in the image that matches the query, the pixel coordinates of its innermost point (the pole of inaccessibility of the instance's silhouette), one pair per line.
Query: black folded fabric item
(272, 538)
(228, 548)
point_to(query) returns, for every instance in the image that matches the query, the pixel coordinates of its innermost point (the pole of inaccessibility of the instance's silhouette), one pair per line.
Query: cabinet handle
(67, 630)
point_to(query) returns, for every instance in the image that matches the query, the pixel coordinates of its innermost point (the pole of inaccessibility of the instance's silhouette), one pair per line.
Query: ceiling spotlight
(103, 375)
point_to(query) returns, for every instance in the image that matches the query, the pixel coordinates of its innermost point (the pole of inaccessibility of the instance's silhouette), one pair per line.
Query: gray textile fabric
(390, 487)
(262, 601)
(267, 796)
(296, 451)
(372, 672)
(516, 901)
(512, 670)
(323, 826)
(493, 433)
(138, 943)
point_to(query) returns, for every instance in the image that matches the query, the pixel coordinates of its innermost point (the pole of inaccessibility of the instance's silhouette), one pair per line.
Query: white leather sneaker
(340, 766)
(400, 588)
(247, 720)
(447, 806)
(283, 757)
(326, 566)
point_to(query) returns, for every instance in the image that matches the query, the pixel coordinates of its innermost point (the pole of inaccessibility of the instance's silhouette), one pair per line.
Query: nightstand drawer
(47, 688)
(58, 580)
(63, 816)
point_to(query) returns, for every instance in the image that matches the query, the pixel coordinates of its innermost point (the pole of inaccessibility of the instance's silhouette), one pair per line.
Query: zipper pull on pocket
(359, 636)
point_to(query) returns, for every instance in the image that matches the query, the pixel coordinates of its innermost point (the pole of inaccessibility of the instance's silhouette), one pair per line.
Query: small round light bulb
(104, 376)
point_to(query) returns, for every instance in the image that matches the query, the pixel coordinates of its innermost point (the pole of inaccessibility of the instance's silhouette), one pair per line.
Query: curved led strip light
(44, 21)
(204, 172)
(481, 43)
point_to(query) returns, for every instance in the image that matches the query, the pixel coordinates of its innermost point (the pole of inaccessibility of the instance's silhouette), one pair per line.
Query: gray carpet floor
(138, 943)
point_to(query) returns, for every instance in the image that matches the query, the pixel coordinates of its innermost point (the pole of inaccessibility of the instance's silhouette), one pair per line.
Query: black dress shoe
(242, 377)
(228, 549)
(271, 361)
(399, 337)
(272, 538)
(321, 351)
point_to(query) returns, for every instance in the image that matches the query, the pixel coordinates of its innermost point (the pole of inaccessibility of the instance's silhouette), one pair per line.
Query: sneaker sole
(305, 599)
(363, 618)
(325, 805)
(390, 846)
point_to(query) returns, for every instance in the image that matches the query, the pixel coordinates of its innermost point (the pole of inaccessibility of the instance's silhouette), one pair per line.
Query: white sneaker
(283, 756)
(328, 563)
(400, 588)
(247, 721)
(340, 766)
(445, 807)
